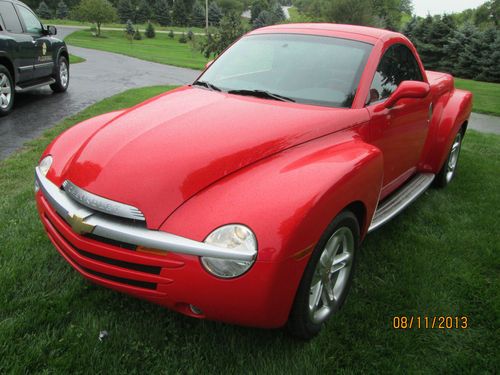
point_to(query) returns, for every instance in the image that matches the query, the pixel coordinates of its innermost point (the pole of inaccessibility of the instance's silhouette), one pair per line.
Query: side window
(31, 22)
(9, 17)
(398, 64)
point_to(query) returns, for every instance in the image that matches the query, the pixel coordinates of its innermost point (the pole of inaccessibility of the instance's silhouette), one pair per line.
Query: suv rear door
(18, 45)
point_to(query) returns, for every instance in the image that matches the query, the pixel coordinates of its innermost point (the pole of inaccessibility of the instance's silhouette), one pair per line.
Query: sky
(422, 7)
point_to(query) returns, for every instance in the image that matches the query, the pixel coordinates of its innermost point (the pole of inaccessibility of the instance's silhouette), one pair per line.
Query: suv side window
(31, 22)
(398, 64)
(9, 17)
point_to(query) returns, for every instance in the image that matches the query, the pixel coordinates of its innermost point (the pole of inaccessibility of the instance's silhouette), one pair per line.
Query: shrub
(171, 34)
(150, 31)
(137, 34)
(183, 38)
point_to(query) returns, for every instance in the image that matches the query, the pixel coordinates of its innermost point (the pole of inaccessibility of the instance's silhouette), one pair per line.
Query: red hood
(162, 152)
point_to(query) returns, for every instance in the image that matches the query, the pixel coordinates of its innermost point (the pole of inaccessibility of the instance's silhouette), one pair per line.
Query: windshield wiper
(262, 94)
(207, 85)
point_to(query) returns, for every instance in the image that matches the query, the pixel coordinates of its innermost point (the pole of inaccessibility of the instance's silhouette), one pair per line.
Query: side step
(401, 199)
(35, 86)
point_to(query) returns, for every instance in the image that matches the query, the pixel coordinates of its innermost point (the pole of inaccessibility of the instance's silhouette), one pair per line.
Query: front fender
(451, 111)
(288, 199)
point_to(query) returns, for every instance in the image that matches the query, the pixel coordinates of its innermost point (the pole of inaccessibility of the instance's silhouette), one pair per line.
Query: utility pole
(206, 15)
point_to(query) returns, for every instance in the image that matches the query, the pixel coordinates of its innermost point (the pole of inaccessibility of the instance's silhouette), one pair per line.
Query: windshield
(307, 69)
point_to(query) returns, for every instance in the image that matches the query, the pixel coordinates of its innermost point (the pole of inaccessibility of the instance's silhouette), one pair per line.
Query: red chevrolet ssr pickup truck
(245, 196)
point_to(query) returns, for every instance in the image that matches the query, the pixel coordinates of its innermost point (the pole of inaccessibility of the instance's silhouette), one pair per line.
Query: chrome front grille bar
(84, 220)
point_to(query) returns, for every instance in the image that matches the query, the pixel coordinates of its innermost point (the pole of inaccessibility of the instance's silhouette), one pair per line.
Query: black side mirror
(52, 30)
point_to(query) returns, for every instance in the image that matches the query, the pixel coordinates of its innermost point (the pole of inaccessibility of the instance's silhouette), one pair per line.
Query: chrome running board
(401, 199)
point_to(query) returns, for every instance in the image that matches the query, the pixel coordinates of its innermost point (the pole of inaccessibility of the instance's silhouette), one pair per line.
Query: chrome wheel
(451, 166)
(63, 73)
(5, 91)
(331, 276)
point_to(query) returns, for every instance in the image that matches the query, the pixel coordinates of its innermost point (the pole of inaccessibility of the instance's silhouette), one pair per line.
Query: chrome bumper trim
(73, 212)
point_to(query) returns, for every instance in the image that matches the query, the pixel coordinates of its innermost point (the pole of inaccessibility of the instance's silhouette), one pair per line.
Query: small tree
(171, 34)
(150, 31)
(126, 10)
(96, 11)
(162, 12)
(129, 30)
(44, 11)
(137, 34)
(230, 29)
(62, 10)
(190, 34)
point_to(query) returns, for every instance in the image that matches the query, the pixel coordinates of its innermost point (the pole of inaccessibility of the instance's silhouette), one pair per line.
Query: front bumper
(173, 279)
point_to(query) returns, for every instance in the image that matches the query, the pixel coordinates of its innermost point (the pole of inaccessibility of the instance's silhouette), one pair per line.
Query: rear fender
(451, 111)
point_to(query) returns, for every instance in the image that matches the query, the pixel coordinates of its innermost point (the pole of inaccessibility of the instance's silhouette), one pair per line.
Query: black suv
(30, 56)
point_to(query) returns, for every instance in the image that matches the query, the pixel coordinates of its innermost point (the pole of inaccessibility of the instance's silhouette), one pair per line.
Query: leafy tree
(96, 11)
(162, 12)
(150, 31)
(198, 15)
(256, 9)
(44, 11)
(229, 30)
(348, 11)
(214, 14)
(228, 6)
(62, 10)
(126, 10)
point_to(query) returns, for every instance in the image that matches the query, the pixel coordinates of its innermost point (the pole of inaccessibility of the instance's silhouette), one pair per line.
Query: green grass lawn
(440, 257)
(75, 59)
(161, 49)
(121, 25)
(486, 95)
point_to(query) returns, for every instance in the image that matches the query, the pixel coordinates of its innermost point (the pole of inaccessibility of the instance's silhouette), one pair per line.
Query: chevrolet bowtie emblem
(79, 225)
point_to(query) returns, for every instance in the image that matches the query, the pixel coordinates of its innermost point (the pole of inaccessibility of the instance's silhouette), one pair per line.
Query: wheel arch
(5, 61)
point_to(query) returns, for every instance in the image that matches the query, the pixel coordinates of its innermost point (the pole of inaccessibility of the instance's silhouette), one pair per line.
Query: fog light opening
(195, 310)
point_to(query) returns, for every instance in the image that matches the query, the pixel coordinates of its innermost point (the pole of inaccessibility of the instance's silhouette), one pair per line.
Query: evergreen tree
(277, 11)
(143, 12)
(44, 11)
(229, 30)
(162, 13)
(129, 30)
(467, 66)
(62, 10)
(150, 31)
(265, 18)
(198, 15)
(171, 34)
(137, 34)
(214, 14)
(490, 56)
(126, 11)
(181, 12)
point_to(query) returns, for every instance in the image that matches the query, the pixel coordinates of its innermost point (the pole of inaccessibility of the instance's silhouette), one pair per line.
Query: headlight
(231, 237)
(45, 165)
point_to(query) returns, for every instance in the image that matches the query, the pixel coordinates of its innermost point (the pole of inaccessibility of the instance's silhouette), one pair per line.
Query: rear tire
(61, 76)
(447, 172)
(7, 91)
(327, 277)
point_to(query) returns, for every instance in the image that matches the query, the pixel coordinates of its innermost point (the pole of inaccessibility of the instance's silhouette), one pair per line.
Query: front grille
(153, 270)
(109, 241)
(140, 284)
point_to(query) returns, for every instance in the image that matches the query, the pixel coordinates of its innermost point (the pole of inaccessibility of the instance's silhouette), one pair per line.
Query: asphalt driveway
(102, 75)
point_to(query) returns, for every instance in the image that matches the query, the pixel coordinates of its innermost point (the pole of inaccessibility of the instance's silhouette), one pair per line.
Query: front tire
(61, 76)
(327, 277)
(447, 172)
(6, 91)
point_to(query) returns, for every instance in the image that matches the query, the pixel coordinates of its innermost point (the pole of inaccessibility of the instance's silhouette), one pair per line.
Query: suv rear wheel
(6, 91)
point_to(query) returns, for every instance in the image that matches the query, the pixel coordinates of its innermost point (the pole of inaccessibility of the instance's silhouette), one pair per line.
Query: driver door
(43, 64)
(399, 131)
